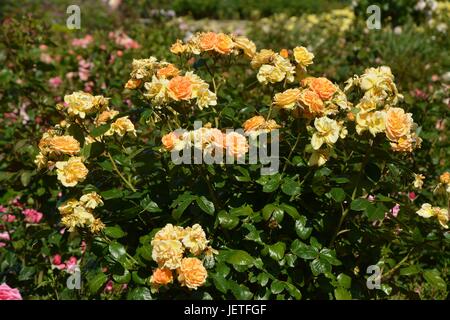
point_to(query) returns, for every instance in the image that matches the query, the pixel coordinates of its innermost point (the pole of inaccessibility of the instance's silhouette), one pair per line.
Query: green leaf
(433, 277)
(277, 286)
(290, 210)
(270, 183)
(240, 291)
(291, 187)
(375, 212)
(220, 283)
(148, 205)
(112, 194)
(25, 177)
(330, 256)
(276, 251)
(408, 271)
(115, 232)
(240, 258)
(122, 278)
(118, 251)
(227, 220)
(98, 131)
(139, 293)
(303, 250)
(359, 204)
(205, 205)
(319, 266)
(96, 281)
(338, 194)
(342, 294)
(344, 281)
(245, 210)
(300, 228)
(293, 290)
(262, 279)
(272, 211)
(26, 273)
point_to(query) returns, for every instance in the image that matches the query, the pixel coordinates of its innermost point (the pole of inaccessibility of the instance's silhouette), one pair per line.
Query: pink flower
(55, 82)
(83, 42)
(72, 264)
(46, 58)
(109, 286)
(8, 217)
(56, 261)
(412, 195)
(394, 211)
(32, 215)
(16, 202)
(84, 69)
(371, 198)
(8, 293)
(4, 236)
(123, 40)
(3, 209)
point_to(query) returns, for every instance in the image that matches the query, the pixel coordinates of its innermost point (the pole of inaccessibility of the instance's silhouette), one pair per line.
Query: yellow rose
(303, 57)
(105, 116)
(327, 131)
(80, 217)
(398, 123)
(121, 126)
(167, 253)
(178, 47)
(442, 216)
(247, 46)
(265, 56)
(41, 161)
(224, 44)
(91, 200)
(168, 71)
(287, 99)
(71, 172)
(195, 239)
(170, 232)
(80, 103)
(161, 277)
(418, 180)
(268, 73)
(426, 211)
(319, 157)
(445, 178)
(96, 226)
(67, 207)
(157, 90)
(192, 273)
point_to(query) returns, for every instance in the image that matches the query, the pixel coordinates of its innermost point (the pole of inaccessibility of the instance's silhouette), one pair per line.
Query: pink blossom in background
(412, 195)
(8, 217)
(440, 124)
(3, 209)
(435, 78)
(72, 264)
(62, 231)
(420, 94)
(5, 236)
(371, 198)
(43, 47)
(8, 293)
(112, 58)
(123, 40)
(46, 58)
(84, 69)
(23, 112)
(395, 210)
(16, 202)
(55, 82)
(89, 86)
(32, 215)
(109, 286)
(38, 120)
(70, 75)
(124, 286)
(119, 53)
(83, 42)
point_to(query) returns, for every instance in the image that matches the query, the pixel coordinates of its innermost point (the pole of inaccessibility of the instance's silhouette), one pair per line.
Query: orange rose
(312, 100)
(398, 123)
(284, 53)
(208, 41)
(254, 123)
(445, 178)
(161, 276)
(224, 44)
(403, 144)
(133, 84)
(168, 71)
(60, 144)
(192, 273)
(180, 88)
(322, 86)
(236, 144)
(169, 140)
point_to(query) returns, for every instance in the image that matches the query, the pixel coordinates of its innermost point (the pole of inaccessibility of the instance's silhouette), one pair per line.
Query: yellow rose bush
(200, 164)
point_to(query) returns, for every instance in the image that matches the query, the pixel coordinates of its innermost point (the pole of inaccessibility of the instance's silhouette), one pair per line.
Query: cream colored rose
(236, 144)
(167, 253)
(327, 131)
(121, 126)
(67, 207)
(303, 57)
(268, 73)
(170, 232)
(192, 273)
(157, 90)
(71, 172)
(247, 46)
(287, 99)
(195, 239)
(80, 217)
(426, 211)
(418, 180)
(91, 200)
(398, 123)
(80, 103)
